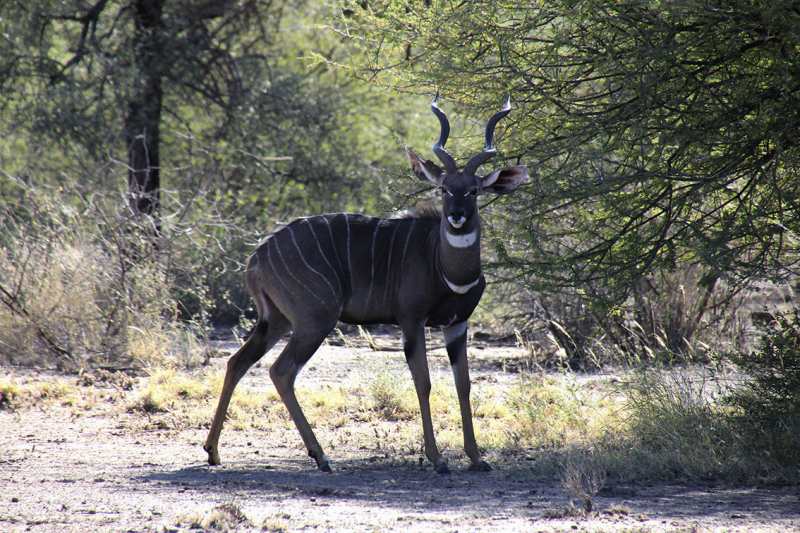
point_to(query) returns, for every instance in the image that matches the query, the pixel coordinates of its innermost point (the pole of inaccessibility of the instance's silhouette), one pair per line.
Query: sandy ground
(62, 470)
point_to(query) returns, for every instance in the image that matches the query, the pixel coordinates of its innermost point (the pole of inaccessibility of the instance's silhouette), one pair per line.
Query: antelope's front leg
(455, 338)
(414, 348)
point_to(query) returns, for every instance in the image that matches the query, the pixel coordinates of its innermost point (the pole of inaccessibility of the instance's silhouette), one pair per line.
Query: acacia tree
(658, 134)
(75, 70)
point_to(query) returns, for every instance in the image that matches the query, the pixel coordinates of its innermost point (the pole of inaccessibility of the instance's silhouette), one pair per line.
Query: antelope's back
(349, 264)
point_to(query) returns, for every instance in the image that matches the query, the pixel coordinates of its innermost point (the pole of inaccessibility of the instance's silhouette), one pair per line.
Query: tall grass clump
(677, 425)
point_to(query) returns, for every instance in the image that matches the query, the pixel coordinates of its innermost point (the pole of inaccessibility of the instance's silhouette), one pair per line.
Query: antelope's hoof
(322, 461)
(480, 466)
(213, 455)
(442, 469)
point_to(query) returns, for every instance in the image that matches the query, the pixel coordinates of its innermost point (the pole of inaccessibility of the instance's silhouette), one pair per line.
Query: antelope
(413, 270)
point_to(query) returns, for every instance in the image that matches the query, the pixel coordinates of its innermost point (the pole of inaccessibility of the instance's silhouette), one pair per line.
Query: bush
(677, 424)
(696, 423)
(773, 394)
(80, 285)
(769, 402)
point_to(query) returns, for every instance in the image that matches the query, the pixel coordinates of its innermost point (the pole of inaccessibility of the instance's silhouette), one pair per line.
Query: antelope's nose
(456, 218)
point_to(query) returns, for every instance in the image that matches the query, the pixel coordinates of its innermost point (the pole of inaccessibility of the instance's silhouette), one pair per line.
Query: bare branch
(88, 21)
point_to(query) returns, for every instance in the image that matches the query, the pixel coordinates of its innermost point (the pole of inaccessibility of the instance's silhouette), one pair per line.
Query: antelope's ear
(505, 180)
(427, 170)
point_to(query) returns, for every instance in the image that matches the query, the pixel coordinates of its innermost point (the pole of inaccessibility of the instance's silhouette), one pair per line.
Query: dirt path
(66, 470)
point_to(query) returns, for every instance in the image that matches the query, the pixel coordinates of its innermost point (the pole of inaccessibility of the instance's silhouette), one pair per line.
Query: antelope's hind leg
(303, 344)
(266, 334)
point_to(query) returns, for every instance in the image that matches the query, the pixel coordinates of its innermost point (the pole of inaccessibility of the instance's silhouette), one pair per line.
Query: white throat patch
(461, 289)
(462, 241)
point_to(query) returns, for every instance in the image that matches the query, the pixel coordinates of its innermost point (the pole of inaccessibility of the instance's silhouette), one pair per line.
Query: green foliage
(658, 135)
(255, 130)
(247, 113)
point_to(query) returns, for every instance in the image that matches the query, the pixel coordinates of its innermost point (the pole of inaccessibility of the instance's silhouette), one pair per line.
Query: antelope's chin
(456, 223)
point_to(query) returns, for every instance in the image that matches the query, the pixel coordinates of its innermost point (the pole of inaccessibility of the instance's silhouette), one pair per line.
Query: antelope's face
(460, 200)
(460, 188)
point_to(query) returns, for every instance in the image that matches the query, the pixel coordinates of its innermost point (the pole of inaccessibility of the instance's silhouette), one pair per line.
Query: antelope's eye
(448, 192)
(471, 192)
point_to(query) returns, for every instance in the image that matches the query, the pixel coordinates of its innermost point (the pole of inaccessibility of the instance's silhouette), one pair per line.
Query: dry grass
(276, 523)
(654, 426)
(555, 411)
(223, 517)
(166, 389)
(583, 477)
(76, 299)
(18, 393)
(391, 396)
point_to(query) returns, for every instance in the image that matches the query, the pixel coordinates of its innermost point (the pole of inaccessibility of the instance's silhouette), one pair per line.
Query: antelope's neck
(460, 256)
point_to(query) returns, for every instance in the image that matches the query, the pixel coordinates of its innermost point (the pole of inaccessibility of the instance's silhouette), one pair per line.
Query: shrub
(769, 401)
(80, 286)
(773, 393)
(676, 423)
(685, 422)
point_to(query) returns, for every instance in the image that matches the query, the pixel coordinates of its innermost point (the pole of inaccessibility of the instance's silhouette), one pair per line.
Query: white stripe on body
(408, 238)
(349, 259)
(372, 267)
(333, 243)
(319, 247)
(389, 263)
(308, 265)
(289, 270)
(271, 263)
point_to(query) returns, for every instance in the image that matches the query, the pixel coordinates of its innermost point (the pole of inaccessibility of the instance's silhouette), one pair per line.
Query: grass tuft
(582, 477)
(223, 517)
(9, 393)
(276, 524)
(167, 388)
(392, 396)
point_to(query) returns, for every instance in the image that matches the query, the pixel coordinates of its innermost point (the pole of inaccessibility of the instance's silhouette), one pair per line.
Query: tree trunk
(144, 112)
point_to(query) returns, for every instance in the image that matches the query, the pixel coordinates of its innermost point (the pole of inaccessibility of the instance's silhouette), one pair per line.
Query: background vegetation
(662, 139)
(248, 133)
(149, 144)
